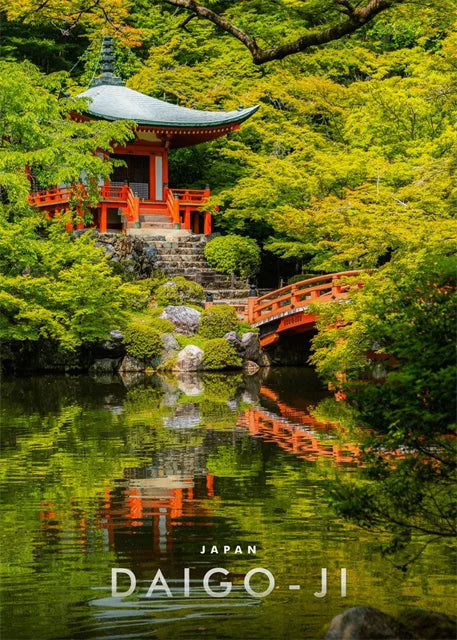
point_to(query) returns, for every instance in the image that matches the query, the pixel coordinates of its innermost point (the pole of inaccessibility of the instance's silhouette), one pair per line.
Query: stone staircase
(183, 255)
(156, 221)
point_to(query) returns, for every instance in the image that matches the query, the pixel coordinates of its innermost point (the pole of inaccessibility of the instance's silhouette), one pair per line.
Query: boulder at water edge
(130, 364)
(366, 623)
(250, 344)
(185, 319)
(189, 359)
(233, 339)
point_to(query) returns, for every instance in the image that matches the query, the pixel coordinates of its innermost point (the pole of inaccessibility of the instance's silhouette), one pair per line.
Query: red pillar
(187, 218)
(103, 218)
(207, 223)
(196, 222)
(251, 305)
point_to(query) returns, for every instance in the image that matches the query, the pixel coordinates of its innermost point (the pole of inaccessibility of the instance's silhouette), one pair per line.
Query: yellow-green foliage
(179, 291)
(217, 320)
(233, 254)
(142, 342)
(162, 325)
(219, 354)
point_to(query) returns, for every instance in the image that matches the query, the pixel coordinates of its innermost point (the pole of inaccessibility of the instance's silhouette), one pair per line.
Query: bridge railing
(298, 295)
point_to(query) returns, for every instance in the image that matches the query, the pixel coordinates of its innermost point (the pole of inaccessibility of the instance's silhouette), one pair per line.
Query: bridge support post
(252, 299)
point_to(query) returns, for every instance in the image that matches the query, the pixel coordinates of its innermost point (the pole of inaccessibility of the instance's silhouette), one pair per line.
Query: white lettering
(163, 586)
(227, 585)
(121, 594)
(323, 592)
(259, 594)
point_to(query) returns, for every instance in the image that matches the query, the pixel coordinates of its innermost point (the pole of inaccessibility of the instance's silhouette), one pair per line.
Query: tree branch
(357, 18)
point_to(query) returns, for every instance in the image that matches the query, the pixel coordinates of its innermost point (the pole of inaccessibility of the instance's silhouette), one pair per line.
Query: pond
(145, 473)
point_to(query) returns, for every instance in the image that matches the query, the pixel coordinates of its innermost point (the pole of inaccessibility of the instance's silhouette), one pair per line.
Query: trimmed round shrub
(217, 320)
(219, 354)
(162, 325)
(142, 342)
(178, 291)
(233, 254)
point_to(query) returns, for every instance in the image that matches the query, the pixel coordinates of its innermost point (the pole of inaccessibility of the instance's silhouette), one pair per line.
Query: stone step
(158, 214)
(164, 234)
(171, 253)
(232, 301)
(184, 261)
(172, 245)
(225, 294)
(156, 225)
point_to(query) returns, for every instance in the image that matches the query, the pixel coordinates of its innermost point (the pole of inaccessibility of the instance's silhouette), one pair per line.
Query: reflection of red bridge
(287, 310)
(295, 432)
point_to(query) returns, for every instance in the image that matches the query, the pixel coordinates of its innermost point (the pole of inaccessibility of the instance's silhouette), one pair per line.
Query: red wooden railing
(132, 209)
(54, 196)
(111, 192)
(180, 202)
(192, 196)
(173, 207)
(296, 296)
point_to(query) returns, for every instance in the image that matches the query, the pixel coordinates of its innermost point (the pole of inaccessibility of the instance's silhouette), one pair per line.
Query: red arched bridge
(287, 310)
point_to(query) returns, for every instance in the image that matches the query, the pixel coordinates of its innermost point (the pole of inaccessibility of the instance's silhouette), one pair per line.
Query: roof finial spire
(107, 59)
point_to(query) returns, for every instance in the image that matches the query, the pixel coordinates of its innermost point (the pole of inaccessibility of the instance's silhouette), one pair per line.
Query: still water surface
(141, 473)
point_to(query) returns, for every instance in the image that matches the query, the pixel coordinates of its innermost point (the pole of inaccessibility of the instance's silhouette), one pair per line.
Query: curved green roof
(116, 102)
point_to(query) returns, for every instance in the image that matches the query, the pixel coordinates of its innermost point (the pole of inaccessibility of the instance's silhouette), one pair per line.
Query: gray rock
(107, 248)
(114, 343)
(251, 344)
(264, 360)
(107, 238)
(189, 359)
(151, 254)
(366, 623)
(185, 319)
(105, 365)
(130, 364)
(233, 339)
(170, 347)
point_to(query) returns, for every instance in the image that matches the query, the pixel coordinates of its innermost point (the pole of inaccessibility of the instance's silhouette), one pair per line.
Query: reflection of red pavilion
(155, 505)
(138, 194)
(168, 501)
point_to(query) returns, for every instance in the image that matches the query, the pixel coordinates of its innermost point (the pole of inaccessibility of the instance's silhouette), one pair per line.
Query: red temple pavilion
(138, 196)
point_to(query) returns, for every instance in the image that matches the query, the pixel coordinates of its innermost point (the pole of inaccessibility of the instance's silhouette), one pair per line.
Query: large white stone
(185, 319)
(189, 359)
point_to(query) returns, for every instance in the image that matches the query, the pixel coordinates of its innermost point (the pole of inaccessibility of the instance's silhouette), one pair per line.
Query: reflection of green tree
(284, 507)
(407, 487)
(241, 461)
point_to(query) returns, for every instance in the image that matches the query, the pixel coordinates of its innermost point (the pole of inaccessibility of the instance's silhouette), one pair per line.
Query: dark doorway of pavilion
(135, 173)
(113, 219)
